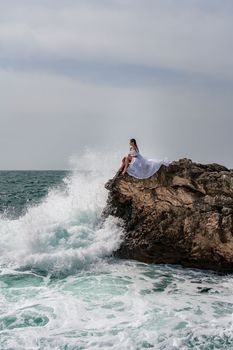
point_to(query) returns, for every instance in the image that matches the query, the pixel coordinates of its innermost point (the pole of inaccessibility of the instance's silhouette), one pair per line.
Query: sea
(62, 288)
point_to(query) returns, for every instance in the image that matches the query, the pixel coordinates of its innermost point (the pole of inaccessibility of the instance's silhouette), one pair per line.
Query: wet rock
(183, 214)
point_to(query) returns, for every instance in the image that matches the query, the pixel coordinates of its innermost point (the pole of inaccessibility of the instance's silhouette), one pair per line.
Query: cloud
(95, 73)
(179, 36)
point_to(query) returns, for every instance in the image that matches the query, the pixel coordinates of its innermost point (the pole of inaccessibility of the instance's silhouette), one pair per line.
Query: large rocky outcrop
(183, 214)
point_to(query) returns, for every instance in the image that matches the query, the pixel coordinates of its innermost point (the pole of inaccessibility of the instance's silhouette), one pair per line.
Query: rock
(183, 214)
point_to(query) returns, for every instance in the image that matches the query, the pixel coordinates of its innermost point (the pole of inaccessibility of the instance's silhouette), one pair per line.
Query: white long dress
(141, 167)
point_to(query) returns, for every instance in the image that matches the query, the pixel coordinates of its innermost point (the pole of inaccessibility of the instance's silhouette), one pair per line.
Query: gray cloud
(181, 36)
(94, 73)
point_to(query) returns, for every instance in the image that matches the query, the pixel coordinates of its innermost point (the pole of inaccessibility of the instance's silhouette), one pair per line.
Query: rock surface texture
(183, 214)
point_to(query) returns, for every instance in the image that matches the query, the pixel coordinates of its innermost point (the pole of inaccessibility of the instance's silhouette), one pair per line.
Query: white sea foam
(63, 232)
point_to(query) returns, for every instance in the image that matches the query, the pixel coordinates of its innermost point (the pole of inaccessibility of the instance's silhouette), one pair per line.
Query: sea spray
(64, 231)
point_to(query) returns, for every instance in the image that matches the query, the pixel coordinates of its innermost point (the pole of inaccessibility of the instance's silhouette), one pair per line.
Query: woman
(132, 153)
(138, 166)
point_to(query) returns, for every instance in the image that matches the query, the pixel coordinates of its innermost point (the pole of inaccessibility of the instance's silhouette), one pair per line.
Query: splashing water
(63, 232)
(61, 288)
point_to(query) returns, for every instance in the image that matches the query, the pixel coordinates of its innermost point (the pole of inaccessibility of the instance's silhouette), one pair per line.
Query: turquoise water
(20, 189)
(61, 288)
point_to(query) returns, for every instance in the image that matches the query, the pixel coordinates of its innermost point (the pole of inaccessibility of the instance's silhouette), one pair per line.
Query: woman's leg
(127, 161)
(122, 164)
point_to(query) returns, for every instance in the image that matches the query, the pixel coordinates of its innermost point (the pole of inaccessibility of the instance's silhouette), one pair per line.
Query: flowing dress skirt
(142, 168)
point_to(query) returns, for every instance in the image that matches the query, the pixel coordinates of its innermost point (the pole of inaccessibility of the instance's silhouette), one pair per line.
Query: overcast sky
(94, 73)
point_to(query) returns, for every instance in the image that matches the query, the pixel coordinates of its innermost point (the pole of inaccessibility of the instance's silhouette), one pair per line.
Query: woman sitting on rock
(138, 166)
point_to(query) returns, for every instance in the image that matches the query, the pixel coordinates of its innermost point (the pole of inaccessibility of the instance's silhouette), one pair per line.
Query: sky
(77, 75)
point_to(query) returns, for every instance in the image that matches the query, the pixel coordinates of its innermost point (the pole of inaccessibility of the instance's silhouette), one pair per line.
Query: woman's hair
(135, 143)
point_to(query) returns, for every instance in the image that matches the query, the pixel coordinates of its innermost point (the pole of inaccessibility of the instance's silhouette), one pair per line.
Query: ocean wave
(65, 230)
